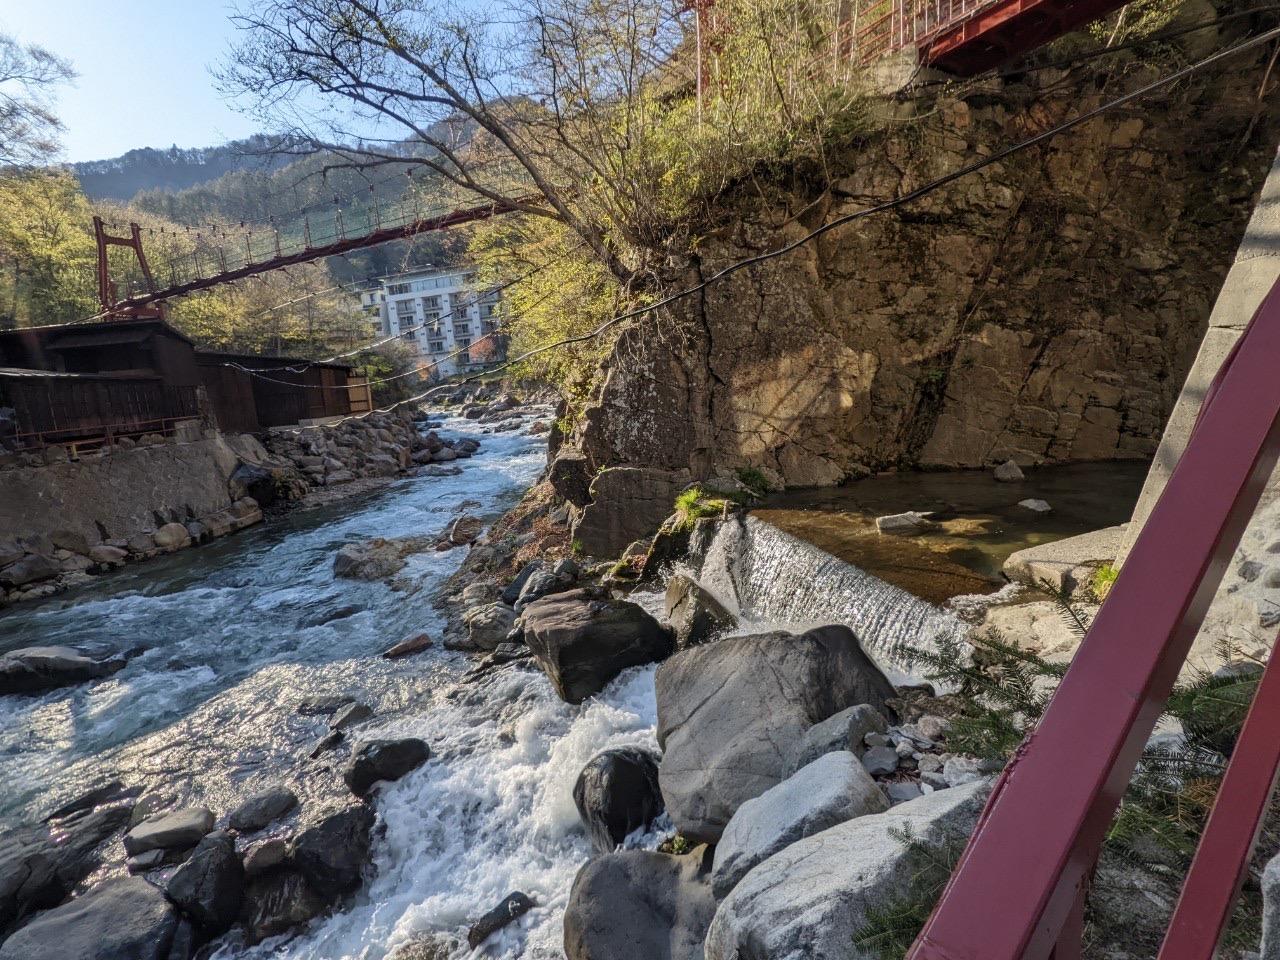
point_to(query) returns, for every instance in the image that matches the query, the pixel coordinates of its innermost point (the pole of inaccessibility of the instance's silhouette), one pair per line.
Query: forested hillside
(147, 168)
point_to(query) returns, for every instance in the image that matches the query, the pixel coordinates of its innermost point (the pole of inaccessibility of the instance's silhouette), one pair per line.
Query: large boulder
(487, 626)
(846, 730)
(124, 919)
(693, 613)
(583, 638)
(376, 760)
(810, 900)
(332, 853)
(832, 789)
(617, 793)
(36, 669)
(731, 714)
(627, 504)
(570, 475)
(30, 569)
(208, 887)
(374, 559)
(40, 866)
(640, 905)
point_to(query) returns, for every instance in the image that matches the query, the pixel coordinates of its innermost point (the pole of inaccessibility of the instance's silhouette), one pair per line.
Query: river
(225, 642)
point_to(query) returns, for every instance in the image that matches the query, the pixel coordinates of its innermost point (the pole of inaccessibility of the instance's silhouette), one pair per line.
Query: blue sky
(144, 71)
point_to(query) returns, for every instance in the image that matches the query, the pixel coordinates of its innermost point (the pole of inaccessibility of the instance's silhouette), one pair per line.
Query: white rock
(809, 900)
(1035, 505)
(905, 523)
(961, 770)
(830, 790)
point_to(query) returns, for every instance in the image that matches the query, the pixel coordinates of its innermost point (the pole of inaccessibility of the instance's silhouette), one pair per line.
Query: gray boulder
(543, 583)
(487, 625)
(583, 638)
(262, 808)
(512, 591)
(209, 886)
(376, 760)
(832, 789)
(627, 504)
(1270, 949)
(512, 908)
(124, 919)
(845, 730)
(375, 559)
(617, 793)
(30, 569)
(332, 853)
(36, 669)
(810, 900)
(693, 613)
(905, 524)
(1008, 472)
(640, 905)
(350, 715)
(177, 830)
(732, 714)
(40, 866)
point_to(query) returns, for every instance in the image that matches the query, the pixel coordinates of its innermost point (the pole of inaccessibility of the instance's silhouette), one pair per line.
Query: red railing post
(1018, 882)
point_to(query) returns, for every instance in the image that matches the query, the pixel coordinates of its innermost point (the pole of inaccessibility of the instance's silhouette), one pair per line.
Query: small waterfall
(763, 574)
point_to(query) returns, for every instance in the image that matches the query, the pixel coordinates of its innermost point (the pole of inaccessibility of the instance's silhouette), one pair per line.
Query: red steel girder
(1035, 845)
(1006, 29)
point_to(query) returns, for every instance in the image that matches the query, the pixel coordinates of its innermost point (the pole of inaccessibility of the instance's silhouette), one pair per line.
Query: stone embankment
(65, 520)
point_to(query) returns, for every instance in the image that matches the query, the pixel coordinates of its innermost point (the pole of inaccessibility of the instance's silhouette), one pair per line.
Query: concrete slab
(1066, 564)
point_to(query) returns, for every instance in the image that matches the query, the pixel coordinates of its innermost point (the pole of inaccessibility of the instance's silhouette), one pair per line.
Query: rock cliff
(1045, 308)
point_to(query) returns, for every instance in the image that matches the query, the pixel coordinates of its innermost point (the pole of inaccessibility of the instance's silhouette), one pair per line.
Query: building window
(431, 303)
(436, 346)
(462, 342)
(396, 289)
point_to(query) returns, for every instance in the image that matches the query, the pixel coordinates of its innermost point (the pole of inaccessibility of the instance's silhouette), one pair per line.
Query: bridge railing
(881, 27)
(1019, 889)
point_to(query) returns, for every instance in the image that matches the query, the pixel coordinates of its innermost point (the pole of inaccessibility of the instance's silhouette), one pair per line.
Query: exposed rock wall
(1043, 309)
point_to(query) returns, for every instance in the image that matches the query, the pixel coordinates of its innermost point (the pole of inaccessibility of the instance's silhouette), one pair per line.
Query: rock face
(35, 669)
(810, 368)
(830, 790)
(693, 613)
(488, 625)
(583, 639)
(125, 919)
(731, 715)
(627, 504)
(809, 900)
(209, 886)
(617, 793)
(377, 760)
(640, 905)
(278, 901)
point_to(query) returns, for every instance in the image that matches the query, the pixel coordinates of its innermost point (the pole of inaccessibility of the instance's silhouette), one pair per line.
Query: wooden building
(122, 377)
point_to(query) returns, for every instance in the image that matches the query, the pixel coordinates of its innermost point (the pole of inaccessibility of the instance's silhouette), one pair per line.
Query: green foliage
(47, 255)
(889, 930)
(1103, 580)
(1002, 691)
(753, 480)
(693, 504)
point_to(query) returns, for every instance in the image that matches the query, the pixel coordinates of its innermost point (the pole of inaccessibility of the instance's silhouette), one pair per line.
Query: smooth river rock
(582, 639)
(262, 808)
(810, 900)
(332, 853)
(732, 714)
(124, 919)
(845, 730)
(177, 830)
(640, 905)
(36, 669)
(208, 887)
(830, 790)
(617, 793)
(376, 760)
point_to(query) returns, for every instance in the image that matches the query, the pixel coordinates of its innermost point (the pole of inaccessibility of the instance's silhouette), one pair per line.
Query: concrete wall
(124, 493)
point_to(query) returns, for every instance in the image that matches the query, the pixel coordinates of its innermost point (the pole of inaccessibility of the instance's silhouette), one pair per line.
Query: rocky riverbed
(323, 739)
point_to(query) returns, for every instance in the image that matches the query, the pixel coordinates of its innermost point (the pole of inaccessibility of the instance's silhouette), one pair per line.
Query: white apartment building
(440, 313)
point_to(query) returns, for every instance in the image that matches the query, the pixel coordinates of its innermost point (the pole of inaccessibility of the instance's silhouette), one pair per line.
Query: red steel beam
(1222, 858)
(1005, 29)
(1035, 845)
(339, 246)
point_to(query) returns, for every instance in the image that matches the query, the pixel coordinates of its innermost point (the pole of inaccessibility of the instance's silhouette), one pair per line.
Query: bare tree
(28, 127)
(541, 106)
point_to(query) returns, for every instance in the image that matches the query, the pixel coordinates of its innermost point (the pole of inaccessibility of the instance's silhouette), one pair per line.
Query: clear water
(226, 642)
